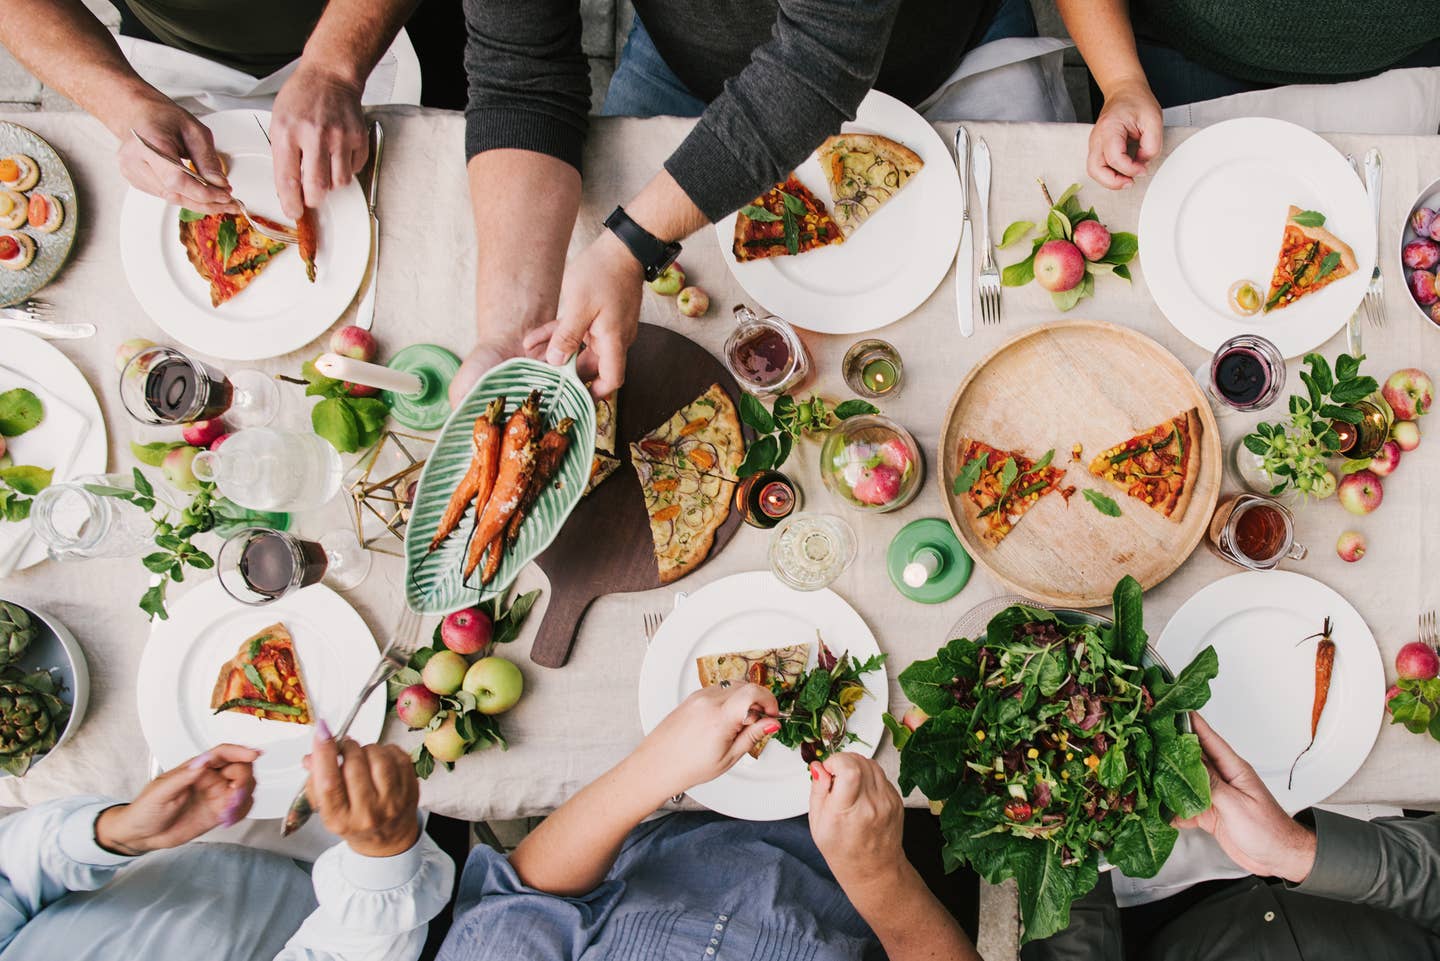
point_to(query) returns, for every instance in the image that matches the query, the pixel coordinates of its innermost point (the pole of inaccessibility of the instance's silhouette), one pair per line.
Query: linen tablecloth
(576, 721)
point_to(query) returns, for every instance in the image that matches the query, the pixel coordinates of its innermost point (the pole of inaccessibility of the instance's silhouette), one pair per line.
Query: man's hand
(182, 804)
(599, 309)
(370, 800)
(318, 137)
(161, 121)
(1131, 114)
(704, 737)
(856, 817)
(1246, 819)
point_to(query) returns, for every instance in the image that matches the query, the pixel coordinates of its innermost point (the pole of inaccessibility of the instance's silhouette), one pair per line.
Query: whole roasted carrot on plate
(1324, 669)
(517, 463)
(547, 463)
(480, 476)
(308, 229)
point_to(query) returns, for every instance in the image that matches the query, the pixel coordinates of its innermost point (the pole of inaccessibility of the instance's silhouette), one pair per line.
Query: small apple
(878, 485)
(1406, 433)
(202, 433)
(915, 717)
(1350, 546)
(1390, 693)
(215, 444)
(692, 302)
(1093, 239)
(129, 349)
(466, 631)
(1059, 266)
(496, 684)
(1418, 661)
(1361, 492)
(416, 706)
(1386, 459)
(360, 390)
(445, 743)
(893, 454)
(1324, 485)
(670, 282)
(444, 672)
(1422, 287)
(1408, 392)
(178, 469)
(354, 342)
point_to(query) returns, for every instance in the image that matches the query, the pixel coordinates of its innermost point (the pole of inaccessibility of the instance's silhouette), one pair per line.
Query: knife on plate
(965, 257)
(365, 313)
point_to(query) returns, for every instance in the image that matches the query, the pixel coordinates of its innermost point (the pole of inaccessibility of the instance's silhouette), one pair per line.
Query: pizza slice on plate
(997, 487)
(1311, 257)
(263, 679)
(1159, 466)
(226, 251)
(605, 462)
(785, 665)
(864, 171)
(786, 219)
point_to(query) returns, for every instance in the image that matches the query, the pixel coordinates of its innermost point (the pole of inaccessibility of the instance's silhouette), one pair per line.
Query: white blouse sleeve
(373, 909)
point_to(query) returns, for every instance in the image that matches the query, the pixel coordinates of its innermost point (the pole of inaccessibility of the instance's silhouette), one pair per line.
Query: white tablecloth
(576, 721)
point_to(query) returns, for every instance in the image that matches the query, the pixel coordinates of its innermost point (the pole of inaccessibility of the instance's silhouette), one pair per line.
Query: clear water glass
(271, 470)
(809, 551)
(74, 523)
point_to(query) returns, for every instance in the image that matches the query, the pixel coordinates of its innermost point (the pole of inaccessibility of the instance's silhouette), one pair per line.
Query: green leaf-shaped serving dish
(433, 582)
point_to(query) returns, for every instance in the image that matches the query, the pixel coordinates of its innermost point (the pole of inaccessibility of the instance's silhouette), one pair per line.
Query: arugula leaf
(1191, 689)
(226, 238)
(816, 691)
(969, 474)
(20, 411)
(1008, 472)
(188, 216)
(1015, 233)
(759, 214)
(1309, 218)
(1103, 503)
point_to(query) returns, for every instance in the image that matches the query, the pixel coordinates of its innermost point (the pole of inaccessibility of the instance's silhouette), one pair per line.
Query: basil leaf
(226, 238)
(753, 413)
(253, 676)
(1015, 233)
(969, 474)
(188, 216)
(1008, 472)
(793, 204)
(1328, 265)
(20, 411)
(852, 408)
(1102, 503)
(760, 456)
(27, 479)
(1309, 218)
(1043, 462)
(759, 214)
(792, 232)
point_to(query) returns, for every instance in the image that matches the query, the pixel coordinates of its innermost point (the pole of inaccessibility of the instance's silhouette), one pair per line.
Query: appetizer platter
(663, 481)
(710, 639)
(216, 284)
(851, 241)
(1257, 226)
(218, 671)
(1263, 624)
(509, 466)
(38, 213)
(1076, 453)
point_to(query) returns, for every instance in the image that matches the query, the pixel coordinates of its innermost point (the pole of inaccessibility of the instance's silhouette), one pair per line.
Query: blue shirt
(695, 886)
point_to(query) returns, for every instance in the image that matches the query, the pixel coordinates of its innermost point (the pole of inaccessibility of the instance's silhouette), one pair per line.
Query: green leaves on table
(1416, 705)
(1064, 215)
(1103, 503)
(779, 428)
(348, 423)
(20, 411)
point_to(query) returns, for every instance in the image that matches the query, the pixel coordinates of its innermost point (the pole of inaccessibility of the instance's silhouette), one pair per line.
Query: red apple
(1408, 392)
(1361, 492)
(1418, 661)
(1093, 239)
(692, 302)
(417, 705)
(1386, 459)
(177, 467)
(1350, 546)
(1059, 265)
(877, 486)
(215, 444)
(466, 631)
(354, 342)
(129, 349)
(360, 390)
(202, 433)
(1406, 433)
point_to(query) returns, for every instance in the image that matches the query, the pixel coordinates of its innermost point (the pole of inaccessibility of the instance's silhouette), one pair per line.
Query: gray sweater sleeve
(1387, 863)
(798, 88)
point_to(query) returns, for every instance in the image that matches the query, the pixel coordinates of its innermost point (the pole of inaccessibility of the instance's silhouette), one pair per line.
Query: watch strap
(653, 253)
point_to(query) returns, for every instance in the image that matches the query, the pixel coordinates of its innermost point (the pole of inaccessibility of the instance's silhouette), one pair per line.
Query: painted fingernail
(814, 770)
(200, 761)
(231, 814)
(772, 727)
(322, 730)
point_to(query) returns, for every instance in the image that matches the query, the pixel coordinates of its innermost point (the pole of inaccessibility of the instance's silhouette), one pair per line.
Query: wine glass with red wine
(163, 387)
(1247, 373)
(258, 565)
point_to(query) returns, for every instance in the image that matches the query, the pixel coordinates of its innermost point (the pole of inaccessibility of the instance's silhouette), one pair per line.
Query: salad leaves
(1050, 746)
(834, 684)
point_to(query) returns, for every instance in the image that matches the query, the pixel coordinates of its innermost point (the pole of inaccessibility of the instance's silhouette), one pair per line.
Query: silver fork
(1428, 634)
(395, 656)
(988, 283)
(36, 309)
(652, 622)
(1375, 293)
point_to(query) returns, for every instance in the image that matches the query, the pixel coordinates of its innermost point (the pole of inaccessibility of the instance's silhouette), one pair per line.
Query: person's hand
(705, 736)
(161, 121)
(370, 800)
(207, 791)
(599, 309)
(1245, 817)
(1131, 114)
(317, 136)
(856, 817)
(483, 356)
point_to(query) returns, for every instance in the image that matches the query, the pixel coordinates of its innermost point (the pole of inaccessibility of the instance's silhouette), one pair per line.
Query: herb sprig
(780, 428)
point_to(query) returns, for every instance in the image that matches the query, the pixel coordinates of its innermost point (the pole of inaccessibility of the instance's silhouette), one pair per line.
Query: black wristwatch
(653, 253)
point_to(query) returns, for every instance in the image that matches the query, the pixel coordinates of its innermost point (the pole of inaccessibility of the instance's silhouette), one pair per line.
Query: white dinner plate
(44, 364)
(891, 264)
(182, 661)
(280, 310)
(1262, 699)
(746, 612)
(1214, 213)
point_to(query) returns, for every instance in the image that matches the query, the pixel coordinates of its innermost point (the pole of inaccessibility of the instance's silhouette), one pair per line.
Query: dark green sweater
(1291, 41)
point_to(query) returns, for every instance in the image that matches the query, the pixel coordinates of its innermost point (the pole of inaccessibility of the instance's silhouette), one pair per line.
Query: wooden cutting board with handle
(605, 547)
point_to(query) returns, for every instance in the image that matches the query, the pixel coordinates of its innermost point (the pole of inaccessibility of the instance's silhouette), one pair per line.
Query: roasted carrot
(1324, 669)
(547, 462)
(492, 560)
(517, 463)
(308, 230)
(484, 462)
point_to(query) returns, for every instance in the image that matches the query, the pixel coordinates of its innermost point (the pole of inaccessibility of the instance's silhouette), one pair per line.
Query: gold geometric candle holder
(381, 491)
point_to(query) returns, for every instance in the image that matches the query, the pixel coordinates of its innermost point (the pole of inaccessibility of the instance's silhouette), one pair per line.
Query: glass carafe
(272, 470)
(75, 523)
(765, 354)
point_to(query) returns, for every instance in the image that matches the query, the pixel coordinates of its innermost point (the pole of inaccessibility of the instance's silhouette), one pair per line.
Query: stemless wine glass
(75, 522)
(271, 470)
(258, 565)
(1246, 373)
(163, 387)
(808, 551)
(765, 354)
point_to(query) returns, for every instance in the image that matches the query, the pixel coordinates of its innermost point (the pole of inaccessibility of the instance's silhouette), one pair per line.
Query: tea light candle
(1347, 433)
(872, 368)
(878, 375)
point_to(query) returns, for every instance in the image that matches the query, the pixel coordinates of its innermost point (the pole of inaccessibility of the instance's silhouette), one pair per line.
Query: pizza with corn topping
(1159, 466)
(997, 487)
(1311, 257)
(225, 250)
(786, 219)
(263, 679)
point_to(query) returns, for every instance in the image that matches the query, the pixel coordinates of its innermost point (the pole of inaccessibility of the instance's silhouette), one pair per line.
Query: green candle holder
(926, 562)
(436, 367)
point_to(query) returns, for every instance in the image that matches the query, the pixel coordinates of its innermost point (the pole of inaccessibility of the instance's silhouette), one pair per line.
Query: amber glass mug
(1255, 532)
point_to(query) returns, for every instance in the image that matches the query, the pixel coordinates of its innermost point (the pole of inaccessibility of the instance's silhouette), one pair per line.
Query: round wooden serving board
(1094, 384)
(605, 546)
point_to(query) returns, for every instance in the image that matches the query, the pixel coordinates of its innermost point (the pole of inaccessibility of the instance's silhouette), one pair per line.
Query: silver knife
(965, 258)
(1354, 343)
(48, 330)
(365, 313)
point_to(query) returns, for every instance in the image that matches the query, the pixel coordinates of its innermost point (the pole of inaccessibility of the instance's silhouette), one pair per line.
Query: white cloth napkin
(54, 442)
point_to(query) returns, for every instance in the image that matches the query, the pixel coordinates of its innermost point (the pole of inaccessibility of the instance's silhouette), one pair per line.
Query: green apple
(496, 684)
(445, 743)
(444, 672)
(670, 282)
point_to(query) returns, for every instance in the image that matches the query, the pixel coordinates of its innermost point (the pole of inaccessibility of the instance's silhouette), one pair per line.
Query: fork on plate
(43, 320)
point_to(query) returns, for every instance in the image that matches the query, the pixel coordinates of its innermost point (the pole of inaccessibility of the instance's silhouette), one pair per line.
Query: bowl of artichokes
(44, 687)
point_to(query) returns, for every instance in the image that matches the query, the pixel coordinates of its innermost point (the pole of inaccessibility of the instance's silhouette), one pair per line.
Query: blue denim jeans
(645, 86)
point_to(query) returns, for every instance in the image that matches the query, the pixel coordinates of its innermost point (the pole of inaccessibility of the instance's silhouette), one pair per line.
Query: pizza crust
(1348, 263)
(854, 194)
(1195, 428)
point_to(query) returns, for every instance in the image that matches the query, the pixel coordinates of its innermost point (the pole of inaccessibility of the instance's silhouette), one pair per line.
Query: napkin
(54, 443)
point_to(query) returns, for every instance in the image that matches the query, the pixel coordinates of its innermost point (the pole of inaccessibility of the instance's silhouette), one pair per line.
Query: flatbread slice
(263, 679)
(865, 171)
(1311, 257)
(777, 665)
(1003, 486)
(786, 219)
(601, 467)
(1159, 466)
(225, 251)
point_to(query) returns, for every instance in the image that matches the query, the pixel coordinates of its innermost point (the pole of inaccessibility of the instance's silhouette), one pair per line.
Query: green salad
(817, 707)
(1048, 746)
